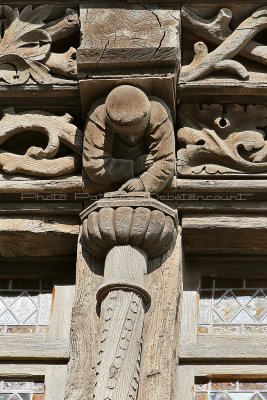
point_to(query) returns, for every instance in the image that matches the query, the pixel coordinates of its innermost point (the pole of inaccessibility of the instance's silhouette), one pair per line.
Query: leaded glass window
(25, 305)
(233, 306)
(231, 390)
(11, 390)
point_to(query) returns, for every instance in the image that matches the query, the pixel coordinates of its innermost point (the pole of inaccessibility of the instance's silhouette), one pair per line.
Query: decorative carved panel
(222, 140)
(26, 47)
(37, 143)
(224, 43)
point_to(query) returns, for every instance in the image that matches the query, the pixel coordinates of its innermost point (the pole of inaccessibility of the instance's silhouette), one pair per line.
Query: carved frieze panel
(126, 36)
(39, 144)
(224, 44)
(222, 140)
(29, 37)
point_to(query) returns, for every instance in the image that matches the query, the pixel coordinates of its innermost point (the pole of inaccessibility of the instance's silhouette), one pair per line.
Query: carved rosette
(127, 231)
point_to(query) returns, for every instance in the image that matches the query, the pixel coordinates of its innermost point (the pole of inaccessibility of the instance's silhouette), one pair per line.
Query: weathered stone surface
(129, 143)
(126, 36)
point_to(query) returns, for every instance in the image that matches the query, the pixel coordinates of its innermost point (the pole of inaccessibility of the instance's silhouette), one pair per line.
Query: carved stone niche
(126, 231)
(28, 49)
(224, 46)
(221, 140)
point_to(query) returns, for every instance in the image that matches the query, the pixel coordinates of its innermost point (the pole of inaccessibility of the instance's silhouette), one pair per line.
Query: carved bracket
(127, 231)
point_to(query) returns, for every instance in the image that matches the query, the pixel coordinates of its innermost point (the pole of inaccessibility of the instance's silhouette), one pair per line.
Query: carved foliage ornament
(230, 43)
(217, 139)
(25, 48)
(39, 161)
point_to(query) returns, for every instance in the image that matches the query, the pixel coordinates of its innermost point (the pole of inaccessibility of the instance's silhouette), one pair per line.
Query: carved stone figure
(222, 140)
(230, 43)
(25, 48)
(129, 143)
(44, 158)
(127, 231)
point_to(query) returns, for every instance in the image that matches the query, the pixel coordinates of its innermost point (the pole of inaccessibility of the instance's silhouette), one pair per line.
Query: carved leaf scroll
(25, 48)
(230, 43)
(216, 139)
(39, 161)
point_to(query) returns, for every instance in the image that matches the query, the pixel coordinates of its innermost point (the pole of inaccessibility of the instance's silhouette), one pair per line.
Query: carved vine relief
(61, 155)
(222, 140)
(129, 143)
(25, 47)
(230, 43)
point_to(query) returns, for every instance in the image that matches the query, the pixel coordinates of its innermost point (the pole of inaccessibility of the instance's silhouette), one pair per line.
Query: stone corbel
(126, 230)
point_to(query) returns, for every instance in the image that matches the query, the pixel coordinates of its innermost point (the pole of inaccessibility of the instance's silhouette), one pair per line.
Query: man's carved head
(128, 113)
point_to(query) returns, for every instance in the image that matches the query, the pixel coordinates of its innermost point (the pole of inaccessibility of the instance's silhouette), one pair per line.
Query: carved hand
(142, 164)
(133, 185)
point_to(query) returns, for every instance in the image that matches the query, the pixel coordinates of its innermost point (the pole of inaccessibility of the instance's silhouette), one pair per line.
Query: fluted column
(126, 231)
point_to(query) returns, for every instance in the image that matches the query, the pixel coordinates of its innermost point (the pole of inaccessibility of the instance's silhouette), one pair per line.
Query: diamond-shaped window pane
(219, 396)
(242, 318)
(232, 390)
(11, 390)
(257, 307)
(227, 307)
(243, 307)
(25, 307)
